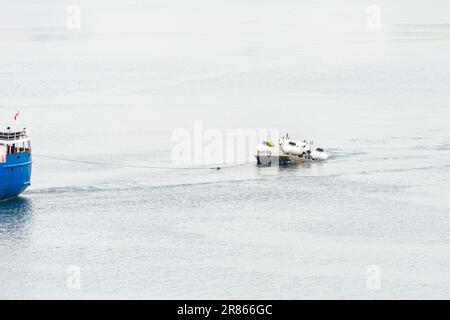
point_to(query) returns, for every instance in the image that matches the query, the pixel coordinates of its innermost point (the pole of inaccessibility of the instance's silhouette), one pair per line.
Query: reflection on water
(14, 215)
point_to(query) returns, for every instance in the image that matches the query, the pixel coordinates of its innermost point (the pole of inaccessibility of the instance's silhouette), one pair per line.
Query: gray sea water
(371, 222)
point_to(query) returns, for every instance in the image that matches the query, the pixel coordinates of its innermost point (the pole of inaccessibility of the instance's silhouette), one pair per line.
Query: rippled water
(115, 90)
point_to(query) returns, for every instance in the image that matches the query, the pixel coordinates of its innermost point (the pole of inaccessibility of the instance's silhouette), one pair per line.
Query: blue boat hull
(15, 174)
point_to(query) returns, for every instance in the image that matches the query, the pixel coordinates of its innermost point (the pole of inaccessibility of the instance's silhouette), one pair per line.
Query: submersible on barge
(288, 151)
(15, 162)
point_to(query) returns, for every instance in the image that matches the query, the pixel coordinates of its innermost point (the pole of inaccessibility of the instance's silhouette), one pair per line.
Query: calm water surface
(115, 90)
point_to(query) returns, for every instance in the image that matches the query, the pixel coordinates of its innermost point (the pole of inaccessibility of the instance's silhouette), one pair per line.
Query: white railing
(12, 135)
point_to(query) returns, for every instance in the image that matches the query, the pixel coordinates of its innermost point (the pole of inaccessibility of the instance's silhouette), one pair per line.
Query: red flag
(16, 116)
